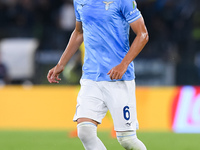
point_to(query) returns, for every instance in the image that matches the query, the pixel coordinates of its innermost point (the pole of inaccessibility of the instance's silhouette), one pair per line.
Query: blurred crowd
(173, 25)
(51, 21)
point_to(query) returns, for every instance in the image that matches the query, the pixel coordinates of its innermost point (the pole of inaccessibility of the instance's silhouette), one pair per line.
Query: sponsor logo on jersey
(132, 12)
(134, 6)
(107, 4)
(82, 5)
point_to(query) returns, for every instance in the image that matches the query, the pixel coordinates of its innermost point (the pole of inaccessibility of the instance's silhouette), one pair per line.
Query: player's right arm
(73, 45)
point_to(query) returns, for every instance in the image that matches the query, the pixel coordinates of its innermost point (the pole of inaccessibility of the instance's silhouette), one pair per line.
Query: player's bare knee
(129, 141)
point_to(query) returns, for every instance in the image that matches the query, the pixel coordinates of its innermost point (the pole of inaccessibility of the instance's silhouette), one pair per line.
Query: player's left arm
(138, 44)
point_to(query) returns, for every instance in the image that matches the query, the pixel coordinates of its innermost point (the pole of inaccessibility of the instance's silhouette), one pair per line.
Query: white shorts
(96, 98)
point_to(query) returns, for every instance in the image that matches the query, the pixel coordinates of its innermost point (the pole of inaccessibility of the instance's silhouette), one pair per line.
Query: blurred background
(33, 35)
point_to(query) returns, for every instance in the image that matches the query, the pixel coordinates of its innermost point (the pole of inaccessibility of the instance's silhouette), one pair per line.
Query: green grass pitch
(58, 140)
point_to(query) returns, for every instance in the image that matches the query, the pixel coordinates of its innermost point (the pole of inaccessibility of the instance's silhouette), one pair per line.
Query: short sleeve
(76, 12)
(129, 10)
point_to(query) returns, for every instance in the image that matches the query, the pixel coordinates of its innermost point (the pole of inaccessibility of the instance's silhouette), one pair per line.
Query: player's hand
(53, 74)
(117, 72)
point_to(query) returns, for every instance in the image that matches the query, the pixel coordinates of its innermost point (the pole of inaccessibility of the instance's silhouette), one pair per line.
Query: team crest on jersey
(107, 4)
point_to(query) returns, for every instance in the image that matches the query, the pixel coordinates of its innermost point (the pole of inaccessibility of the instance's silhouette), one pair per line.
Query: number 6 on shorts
(126, 113)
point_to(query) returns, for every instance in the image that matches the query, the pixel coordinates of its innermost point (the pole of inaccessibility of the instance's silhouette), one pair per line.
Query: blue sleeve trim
(78, 20)
(134, 19)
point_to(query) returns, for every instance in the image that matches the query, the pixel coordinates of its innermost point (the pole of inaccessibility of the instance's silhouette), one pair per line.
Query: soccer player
(108, 76)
